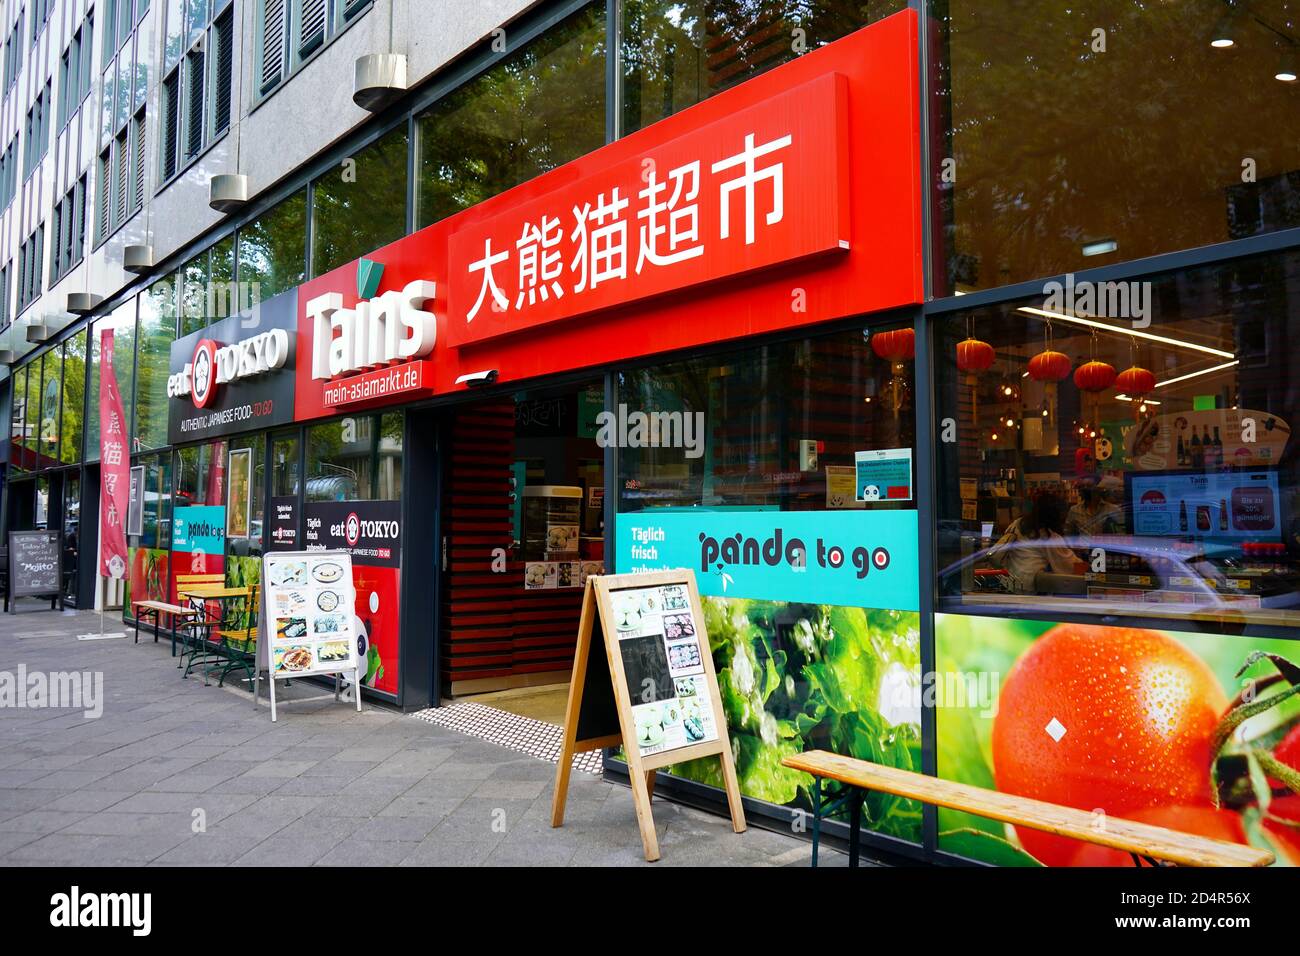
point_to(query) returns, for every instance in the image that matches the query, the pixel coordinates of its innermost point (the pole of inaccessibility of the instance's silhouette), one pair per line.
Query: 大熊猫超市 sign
(737, 217)
(855, 559)
(763, 186)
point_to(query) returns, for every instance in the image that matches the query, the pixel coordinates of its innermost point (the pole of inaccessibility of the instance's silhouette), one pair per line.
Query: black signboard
(36, 564)
(371, 531)
(236, 375)
(283, 535)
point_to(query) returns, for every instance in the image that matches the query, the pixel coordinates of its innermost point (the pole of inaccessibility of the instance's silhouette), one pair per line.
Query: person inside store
(1095, 513)
(1033, 543)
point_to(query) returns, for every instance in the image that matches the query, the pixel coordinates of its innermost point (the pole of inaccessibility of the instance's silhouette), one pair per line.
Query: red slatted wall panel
(496, 632)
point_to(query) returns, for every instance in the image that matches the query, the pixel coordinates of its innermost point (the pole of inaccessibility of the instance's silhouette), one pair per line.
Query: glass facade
(158, 307)
(351, 459)
(122, 322)
(1111, 464)
(74, 399)
(538, 109)
(360, 206)
(1147, 472)
(1031, 183)
(273, 248)
(675, 54)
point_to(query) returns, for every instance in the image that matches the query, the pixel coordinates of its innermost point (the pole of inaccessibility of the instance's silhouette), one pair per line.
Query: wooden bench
(156, 609)
(1142, 841)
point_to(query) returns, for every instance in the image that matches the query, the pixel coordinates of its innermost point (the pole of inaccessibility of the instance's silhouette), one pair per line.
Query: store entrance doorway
(523, 528)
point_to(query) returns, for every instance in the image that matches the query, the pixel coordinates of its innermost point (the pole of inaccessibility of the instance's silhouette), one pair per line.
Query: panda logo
(871, 493)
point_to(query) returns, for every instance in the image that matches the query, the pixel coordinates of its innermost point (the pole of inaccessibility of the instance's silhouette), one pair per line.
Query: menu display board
(654, 691)
(308, 602)
(663, 668)
(35, 564)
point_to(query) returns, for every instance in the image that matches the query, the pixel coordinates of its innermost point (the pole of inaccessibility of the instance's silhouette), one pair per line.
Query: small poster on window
(241, 493)
(884, 474)
(841, 492)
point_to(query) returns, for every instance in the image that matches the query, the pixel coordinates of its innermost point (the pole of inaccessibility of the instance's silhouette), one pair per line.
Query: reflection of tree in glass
(538, 109)
(676, 53)
(272, 248)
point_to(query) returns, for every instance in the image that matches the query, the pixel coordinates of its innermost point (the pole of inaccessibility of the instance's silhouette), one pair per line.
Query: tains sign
(236, 375)
(855, 559)
(765, 185)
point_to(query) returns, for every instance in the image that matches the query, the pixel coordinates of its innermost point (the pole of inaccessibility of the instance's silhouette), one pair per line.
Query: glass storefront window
(1126, 463)
(388, 468)
(222, 269)
(360, 205)
(193, 278)
(42, 515)
(201, 475)
(538, 109)
(760, 428)
(676, 53)
(1031, 184)
(273, 248)
(18, 418)
(156, 503)
(74, 398)
(153, 364)
(284, 471)
(791, 457)
(51, 399)
(32, 429)
(246, 510)
(71, 533)
(340, 460)
(122, 322)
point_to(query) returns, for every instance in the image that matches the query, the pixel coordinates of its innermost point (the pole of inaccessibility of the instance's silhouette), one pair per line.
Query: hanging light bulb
(1224, 35)
(1286, 68)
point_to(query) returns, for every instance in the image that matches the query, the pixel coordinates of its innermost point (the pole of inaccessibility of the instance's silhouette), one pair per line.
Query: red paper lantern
(898, 345)
(974, 355)
(1094, 376)
(1049, 366)
(1136, 382)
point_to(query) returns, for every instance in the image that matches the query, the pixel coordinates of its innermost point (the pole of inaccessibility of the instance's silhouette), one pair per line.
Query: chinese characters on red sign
(766, 185)
(114, 471)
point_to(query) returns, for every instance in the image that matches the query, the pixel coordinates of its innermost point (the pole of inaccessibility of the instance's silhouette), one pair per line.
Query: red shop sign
(761, 186)
(791, 200)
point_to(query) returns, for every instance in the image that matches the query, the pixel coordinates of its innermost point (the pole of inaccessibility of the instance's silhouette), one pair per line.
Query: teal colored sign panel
(847, 558)
(199, 528)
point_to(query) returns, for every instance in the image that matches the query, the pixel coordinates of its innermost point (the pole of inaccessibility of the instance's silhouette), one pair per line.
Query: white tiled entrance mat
(533, 737)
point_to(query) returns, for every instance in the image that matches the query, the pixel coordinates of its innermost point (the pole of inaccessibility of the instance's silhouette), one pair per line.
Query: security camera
(474, 379)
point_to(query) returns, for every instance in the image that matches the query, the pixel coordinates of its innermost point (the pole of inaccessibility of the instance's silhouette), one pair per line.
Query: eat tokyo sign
(765, 185)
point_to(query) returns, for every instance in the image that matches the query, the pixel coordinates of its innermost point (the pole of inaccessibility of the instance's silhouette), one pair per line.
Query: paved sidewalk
(322, 786)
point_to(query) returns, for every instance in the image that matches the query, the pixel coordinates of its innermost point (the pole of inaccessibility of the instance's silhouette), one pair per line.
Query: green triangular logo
(369, 273)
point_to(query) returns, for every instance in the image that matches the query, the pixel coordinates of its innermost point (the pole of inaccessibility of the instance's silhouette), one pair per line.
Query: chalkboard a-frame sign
(36, 566)
(655, 694)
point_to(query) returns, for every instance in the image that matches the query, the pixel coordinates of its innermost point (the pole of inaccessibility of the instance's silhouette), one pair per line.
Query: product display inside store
(1125, 445)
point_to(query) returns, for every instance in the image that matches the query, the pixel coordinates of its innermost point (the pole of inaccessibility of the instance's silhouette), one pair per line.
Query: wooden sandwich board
(656, 693)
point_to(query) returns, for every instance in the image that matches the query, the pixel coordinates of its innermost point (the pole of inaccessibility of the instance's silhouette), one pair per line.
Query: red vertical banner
(114, 467)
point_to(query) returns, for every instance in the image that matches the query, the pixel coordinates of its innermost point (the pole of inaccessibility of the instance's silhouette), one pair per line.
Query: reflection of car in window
(332, 488)
(1117, 577)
